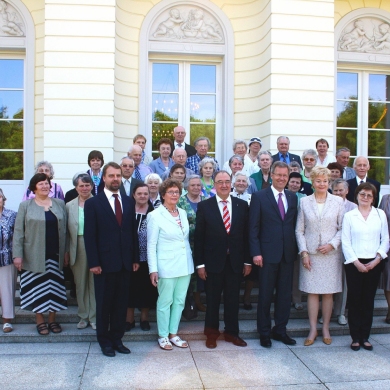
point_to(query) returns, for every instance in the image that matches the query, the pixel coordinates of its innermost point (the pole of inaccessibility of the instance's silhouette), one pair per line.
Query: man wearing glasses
(128, 182)
(222, 257)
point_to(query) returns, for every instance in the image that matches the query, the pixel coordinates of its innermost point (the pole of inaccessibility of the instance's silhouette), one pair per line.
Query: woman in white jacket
(170, 262)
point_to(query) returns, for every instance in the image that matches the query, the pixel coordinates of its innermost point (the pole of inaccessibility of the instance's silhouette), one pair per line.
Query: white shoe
(320, 320)
(342, 320)
(82, 324)
(93, 325)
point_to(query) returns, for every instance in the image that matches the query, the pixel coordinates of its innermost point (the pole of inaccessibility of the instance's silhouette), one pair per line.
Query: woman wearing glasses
(309, 160)
(365, 240)
(170, 262)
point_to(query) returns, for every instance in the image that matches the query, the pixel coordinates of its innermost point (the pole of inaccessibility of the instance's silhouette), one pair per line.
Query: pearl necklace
(171, 211)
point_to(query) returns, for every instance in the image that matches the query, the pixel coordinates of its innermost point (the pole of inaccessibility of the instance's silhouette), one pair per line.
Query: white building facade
(78, 75)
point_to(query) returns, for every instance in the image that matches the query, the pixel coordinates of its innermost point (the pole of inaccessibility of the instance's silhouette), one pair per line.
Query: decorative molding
(186, 23)
(11, 22)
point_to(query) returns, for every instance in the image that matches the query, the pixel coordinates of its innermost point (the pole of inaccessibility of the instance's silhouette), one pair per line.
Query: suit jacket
(293, 157)
(107, 244)
(353, 185)
(132, 185)
(188, 148)
(212, 242)
(168, 249)
(314, 229)
(269, 235)
(72, 212)
(157, 166)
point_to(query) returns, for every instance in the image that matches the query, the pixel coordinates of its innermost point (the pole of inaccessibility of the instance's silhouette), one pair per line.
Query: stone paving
(82, 366)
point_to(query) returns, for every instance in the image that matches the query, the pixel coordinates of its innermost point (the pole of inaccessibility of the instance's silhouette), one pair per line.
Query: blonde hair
(319, 171)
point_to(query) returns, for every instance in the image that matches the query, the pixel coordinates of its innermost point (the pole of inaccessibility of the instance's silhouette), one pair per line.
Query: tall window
(185, 93)
(11, 118)
(363, 118)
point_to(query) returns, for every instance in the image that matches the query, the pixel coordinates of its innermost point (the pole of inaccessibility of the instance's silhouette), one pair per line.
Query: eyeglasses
(127, 166)
(364, 195)
(221, 182)
(309, 159)
(173, 193)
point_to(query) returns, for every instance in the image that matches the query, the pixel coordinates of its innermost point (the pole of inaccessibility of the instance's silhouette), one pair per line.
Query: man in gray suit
(342, 157)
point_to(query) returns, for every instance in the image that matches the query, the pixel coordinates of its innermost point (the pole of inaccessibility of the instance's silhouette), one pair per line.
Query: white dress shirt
(126, 185)
(358, 179)
(363, 239)
(276, 195)
(111, 198)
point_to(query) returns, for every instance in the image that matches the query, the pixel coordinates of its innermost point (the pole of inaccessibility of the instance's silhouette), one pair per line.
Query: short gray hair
(340, 181)
(240, 173)
(202, 139)
(131, 148)
(188, 179)
(279, 164)
(40, 163)
(236, 157)
(239, 142)
(206, 160)
(343, 149)
(266, 152)
(312, 152)
(295, 164)
(281, 137)
(126, 158)
(354, 161)
(178, 149)
(84, 177)
(2, 196)
(152, 176)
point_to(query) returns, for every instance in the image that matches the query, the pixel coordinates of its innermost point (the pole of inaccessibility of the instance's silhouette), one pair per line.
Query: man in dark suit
(272, 219)
(283, 145)
(222, 257)
(128, 182)
(111, 243)
(361, 165)
(179, 133)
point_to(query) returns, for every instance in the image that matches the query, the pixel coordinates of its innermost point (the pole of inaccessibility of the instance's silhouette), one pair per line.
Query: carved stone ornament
(11, 23)
(365, 35)
(186, 23)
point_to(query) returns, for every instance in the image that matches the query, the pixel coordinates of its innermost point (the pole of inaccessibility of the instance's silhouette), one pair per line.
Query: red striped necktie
(226, 216)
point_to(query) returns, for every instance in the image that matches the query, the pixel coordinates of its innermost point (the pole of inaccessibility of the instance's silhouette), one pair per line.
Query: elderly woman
(55, 190)
(207, 168)
(295, 167)
(164, 162)
(140, 140)
(96, 162)
(170, 262)
(236, 164)
(38, 250)
(318, 234)
(365, 240)
(178, 172)
(142, 293)
(262, 178)
(336, 172)
(254, 149)
(309, 159)
(189, 203)
(241, 184)
(75, 252)
(240, 149)
(153, 182)
(7, 269)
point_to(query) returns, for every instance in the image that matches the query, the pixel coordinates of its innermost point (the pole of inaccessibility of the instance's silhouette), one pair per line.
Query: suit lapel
(272, 200)
(314, 207)
(105, 204)
(74, 212)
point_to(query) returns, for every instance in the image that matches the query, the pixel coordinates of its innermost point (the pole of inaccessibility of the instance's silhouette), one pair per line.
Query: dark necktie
(361, 182)
(284, 158)
(179, 145)
(281, 206)
(118, 209)
(137, 173)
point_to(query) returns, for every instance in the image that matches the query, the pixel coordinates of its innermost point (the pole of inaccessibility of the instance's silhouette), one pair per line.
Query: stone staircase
(298, 326)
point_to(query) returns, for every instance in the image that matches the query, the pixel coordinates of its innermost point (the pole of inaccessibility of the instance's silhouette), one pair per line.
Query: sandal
(179, 342)
(164, 343)
(42, 329)
(7, 327)
(55, 327)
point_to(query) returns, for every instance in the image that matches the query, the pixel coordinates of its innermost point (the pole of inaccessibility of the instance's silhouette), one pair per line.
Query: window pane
(379, 170)
(165, 107)
(203, 78)
(202, 108)
(347, 138)
(379, 87)
(11, 74)
(347, 85)
(347, 114)
(11, 165)
(162, 130)
(165, 77)
(379, 143)
(379, 115)
(11, 104)
(11, 134)
(202, 130)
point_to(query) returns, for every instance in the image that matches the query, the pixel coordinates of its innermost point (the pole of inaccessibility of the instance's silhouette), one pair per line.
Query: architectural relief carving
(11, 23)
(366, 35)
(184, 23)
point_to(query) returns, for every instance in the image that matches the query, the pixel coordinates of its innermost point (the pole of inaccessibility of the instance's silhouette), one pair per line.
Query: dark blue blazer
(352, 183)
(269, 235)
(293, 157)
(107, 244)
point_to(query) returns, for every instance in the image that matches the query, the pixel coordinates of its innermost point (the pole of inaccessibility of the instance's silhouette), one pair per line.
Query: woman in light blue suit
(164, 163)
(170, 262)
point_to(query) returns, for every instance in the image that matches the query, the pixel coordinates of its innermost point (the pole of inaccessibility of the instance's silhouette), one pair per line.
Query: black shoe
(129, 326)
(121, 349)
(145, 325)
(265, 341)
(355, 347)
(236, 340)
(366, 347)
(108, 351)
(248, 306)
(285, 338)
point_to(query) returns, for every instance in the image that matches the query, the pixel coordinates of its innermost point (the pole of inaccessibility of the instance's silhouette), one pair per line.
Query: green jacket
(258, 178)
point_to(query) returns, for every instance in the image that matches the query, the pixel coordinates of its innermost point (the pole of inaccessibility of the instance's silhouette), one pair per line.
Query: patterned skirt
(43, 292)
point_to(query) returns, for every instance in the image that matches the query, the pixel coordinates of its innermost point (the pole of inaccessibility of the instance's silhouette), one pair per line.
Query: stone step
(189, 330)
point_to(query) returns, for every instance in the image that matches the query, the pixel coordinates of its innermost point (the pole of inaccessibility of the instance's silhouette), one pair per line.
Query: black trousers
(111, 292)
(360, 298)
(229, 283)
(272, 276)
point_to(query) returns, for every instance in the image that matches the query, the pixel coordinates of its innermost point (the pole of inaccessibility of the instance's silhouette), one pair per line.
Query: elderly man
(361, 165)
(324, 158)
(179, 133)
(283, 145)
(240, 148)
(342, 157)
(128, 182)
(179, 156)
(202, 146)
(140, 170)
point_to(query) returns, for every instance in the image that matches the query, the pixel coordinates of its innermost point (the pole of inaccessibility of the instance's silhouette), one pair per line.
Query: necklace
(320, 200)
(171, 211)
